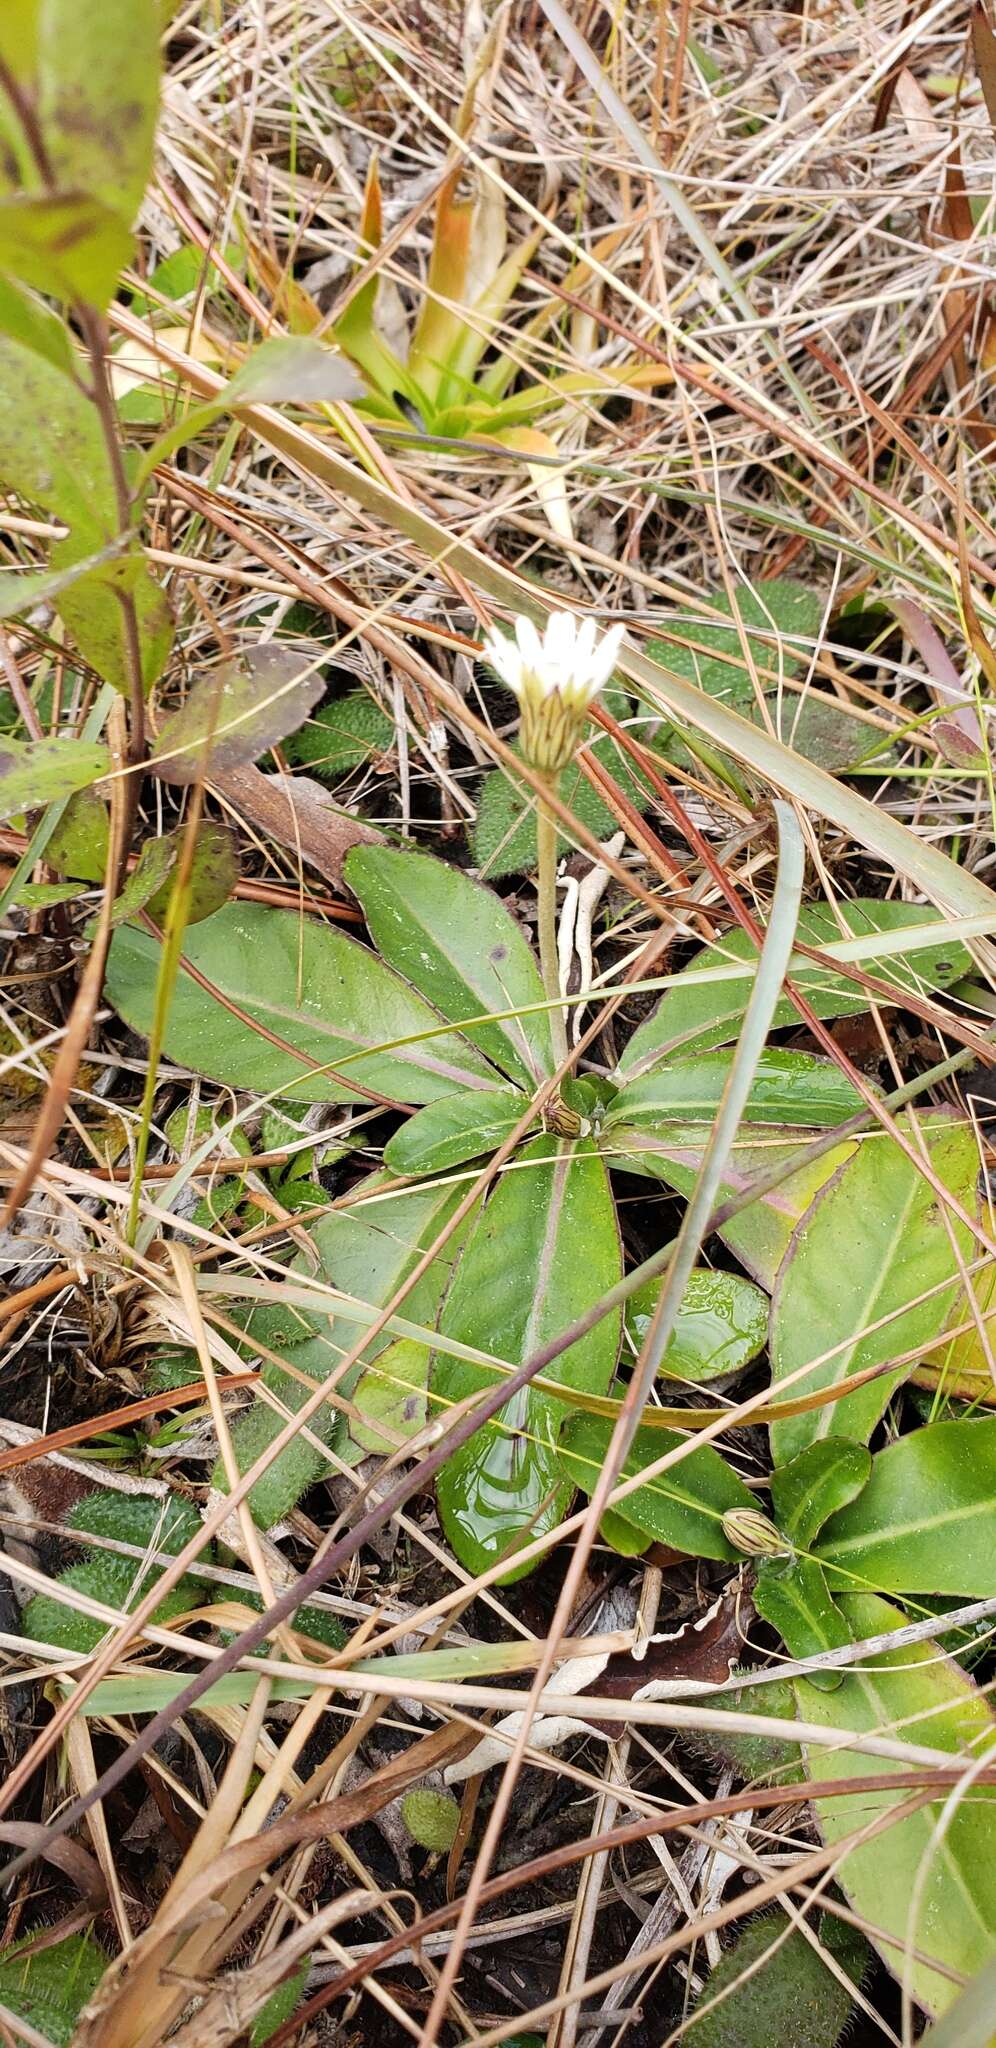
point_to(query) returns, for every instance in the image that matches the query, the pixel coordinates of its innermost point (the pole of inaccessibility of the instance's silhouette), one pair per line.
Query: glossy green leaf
(243, 706)
(788, 1088)
(91, 607)
(545, 1249)
(694, 1015)
(460, 946)
(796, 1599)
(365, 1251)
(52, 451)
(850, 1291)
(454, 1129)
(682, 1507)
(722, 1324)
(781, 621)
(926, 1521)
(390, 1398)
(915, 1882)
(824, 1478)
(330, 1002)
(97, 98)
(623, 1536)
(67, 244)
(37, 772)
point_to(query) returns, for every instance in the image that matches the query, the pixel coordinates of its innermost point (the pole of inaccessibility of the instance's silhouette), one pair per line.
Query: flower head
(554, 679)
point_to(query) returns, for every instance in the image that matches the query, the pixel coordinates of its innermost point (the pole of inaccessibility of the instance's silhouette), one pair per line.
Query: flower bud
(754, 1534)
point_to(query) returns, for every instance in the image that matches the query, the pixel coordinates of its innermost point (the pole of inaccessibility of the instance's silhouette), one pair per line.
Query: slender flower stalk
(555, 680)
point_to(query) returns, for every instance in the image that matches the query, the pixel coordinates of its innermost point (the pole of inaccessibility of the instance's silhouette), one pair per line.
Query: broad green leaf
(919, 1881)
(29, 321)
(926, 1521)
(623, 1536)
(855, 1288)
(37, 772)
(692, 1016)
(760, 1234)
(80, 843)
(329, 1001)
(41, 895)
(788, 1088)
(97, 99)
(67, 244)
(22, 589)
(722, 1324)
(781, 621)
(962, 1369)
(391, 1397)
(795, 1599)
(682, 1507)
(239, 709)
(365, 1251)
(452, 1130)
(775, 1989)
(52, 451)
(156, 861)
(91, 608)
(460, 947)
(213, 875)
(543, 1251)
(824, 1478)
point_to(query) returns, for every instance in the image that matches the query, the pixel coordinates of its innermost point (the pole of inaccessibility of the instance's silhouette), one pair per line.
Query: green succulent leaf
(926, 1521)
(926, 1883)
(796, 1599)
(49, 1987)
(864, 1278)
(366, 1251)
(456, 1128)
(722, 1324)
(788, 1088)
(544, 1249)
(693, 1014)
(824, 1478)
(682, 1507)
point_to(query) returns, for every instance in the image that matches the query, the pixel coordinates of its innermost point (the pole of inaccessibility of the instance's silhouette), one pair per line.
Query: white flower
(554, 680)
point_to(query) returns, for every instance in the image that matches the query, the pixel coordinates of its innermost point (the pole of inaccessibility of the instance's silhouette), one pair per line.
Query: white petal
(559, 647)
(530, 648)
(584, 647)
(608, 652)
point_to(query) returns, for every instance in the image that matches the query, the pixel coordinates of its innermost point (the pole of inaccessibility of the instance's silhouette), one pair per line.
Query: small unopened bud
(555, 680)
(432, 1818)
(754, 1534)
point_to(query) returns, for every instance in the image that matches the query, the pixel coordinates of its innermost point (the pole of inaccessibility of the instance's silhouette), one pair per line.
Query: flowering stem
(546, 849)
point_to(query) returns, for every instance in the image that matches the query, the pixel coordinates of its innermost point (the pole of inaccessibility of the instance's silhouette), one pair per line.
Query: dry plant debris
(497, 655)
